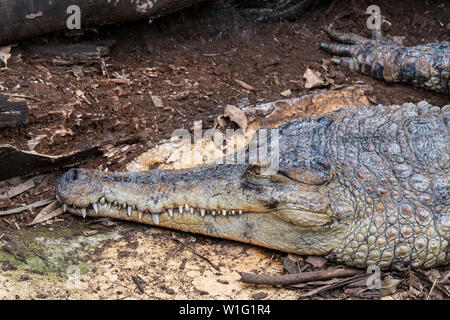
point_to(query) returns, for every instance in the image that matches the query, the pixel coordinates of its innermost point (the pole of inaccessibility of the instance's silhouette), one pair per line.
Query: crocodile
(426, 66)
(363, 186)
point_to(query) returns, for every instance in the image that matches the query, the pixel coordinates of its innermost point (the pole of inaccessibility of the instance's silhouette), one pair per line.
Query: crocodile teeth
(213, 212)
(191, 209)
(155, 218)
(64, 207)
(170, 212)
(202, 212)
(186, 207)
(83, 212)
(102, 200)
(240, 211)
(224, 212)
(232, 211)
(129, 209)
(94, 205)
(114, 203)
(140, 214)
(180, 208)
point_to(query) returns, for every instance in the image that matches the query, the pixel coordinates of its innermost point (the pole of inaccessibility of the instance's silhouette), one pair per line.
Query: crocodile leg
(426, 66)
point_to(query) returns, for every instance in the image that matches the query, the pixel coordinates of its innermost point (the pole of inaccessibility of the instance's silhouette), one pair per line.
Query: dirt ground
(192, 60)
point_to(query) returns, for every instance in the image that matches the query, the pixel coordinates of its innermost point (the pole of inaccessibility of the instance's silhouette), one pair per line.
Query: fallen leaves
(236, 115)
(14, 191)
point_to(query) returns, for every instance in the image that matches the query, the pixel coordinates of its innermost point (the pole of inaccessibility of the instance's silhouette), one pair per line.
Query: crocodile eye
(254, 169)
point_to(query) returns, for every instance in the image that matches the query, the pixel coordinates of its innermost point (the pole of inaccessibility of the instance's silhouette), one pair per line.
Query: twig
(24, 208)
(195, 252)
(289, 13)
(431, 290)
(332, 285)
(270, 261)
(138, 281)
(15, 95)
(218, 54)
(115, 81)
(425, 277)
(294, 278)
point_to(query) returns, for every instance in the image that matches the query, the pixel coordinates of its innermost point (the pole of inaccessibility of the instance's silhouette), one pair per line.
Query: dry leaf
(52, 210)
(316, 261)
(90, 232)
(289, 265)
(236, 115)
(5, 54)
(245, 85)
(286, 93)
(157, 101)
(313, 79)
(389, 286)
(80, 94)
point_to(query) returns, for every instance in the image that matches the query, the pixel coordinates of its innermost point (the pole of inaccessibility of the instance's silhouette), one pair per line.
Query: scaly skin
(426, 66)
(368, 186)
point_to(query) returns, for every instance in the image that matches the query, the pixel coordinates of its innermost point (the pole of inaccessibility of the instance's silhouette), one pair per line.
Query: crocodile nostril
(75, 175)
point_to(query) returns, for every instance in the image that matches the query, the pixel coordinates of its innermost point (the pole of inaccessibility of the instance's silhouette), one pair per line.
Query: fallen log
(15, 162)
(20, 19)
(12, 113)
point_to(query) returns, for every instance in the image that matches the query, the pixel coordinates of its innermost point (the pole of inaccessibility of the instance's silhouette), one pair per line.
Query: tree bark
(20, 19)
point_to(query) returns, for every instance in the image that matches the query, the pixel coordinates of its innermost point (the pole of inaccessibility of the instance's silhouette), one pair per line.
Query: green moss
(49, 252)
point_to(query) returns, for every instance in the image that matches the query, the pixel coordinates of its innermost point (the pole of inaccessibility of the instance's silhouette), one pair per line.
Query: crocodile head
(288, 208)
(369, 185)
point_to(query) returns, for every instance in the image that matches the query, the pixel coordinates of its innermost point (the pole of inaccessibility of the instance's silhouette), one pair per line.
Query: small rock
(222, 281)
(170, 291)
(259, 295)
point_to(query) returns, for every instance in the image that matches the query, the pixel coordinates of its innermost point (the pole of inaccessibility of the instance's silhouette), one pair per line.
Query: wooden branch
(12, 113)
(287, 279)
(26, 207)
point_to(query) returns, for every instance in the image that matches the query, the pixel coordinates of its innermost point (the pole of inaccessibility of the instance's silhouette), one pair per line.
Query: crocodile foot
(427, 66)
